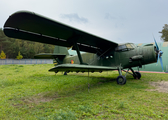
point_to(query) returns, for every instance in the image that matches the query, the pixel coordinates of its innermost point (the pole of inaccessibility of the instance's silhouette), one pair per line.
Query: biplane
(100, 54)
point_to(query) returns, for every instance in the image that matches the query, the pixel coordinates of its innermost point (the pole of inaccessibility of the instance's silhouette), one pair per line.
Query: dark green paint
(141, 55)
(103, 54)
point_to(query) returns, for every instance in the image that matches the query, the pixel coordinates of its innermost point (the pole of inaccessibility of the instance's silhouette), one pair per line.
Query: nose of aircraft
(149, 54)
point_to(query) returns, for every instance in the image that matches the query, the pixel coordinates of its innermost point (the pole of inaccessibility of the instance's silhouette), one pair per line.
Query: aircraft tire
(138, 75)
(121, 80)
(65, 73)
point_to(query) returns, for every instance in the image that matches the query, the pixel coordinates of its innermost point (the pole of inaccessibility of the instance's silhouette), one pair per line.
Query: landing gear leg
(136, 75)
(121, 80)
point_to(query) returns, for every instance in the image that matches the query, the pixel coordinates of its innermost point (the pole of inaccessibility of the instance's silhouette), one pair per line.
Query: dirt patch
(161, 86)
(41, 97)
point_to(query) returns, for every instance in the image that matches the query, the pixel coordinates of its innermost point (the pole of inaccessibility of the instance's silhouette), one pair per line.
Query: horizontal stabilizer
(81, 68)
(49, 56)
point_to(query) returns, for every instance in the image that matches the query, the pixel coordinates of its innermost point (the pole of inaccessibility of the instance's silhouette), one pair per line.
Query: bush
(2, 55)
(19, 56)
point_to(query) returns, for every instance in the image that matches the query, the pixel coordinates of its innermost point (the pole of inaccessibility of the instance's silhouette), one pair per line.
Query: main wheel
(121, 80)
(137, 75)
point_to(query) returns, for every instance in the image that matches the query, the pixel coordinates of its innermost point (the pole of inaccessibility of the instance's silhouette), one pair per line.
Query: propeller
(159, 52)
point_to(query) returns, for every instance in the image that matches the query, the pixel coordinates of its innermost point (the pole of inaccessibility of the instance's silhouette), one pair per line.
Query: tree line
(12, 47)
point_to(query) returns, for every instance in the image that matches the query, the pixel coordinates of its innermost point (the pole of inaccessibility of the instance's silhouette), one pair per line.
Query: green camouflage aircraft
(101, 54)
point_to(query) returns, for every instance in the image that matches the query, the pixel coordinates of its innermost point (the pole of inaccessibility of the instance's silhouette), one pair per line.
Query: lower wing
(81, 68)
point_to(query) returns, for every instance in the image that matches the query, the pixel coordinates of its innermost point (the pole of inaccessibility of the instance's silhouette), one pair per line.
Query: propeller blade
(161, 63)
(158, 58)
(159, 55)
(156, 45)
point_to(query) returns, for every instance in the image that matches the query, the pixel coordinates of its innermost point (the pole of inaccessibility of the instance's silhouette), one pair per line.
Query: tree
(38, 47)
(19, 56)
(2, 55)
(27, 49)
(46, 48)
(6, 44)
(164, 33)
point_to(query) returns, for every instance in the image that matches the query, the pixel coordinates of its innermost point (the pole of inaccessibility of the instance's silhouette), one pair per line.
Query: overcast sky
(120, 21)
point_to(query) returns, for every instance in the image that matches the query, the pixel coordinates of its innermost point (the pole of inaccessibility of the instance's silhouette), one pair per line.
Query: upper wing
(30, 26)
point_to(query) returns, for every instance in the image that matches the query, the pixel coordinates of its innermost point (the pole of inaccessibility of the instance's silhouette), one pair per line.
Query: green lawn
(31, 92)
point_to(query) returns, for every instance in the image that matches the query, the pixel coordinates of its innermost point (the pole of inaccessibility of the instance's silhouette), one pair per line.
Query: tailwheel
(137, 75)
(121, 80)
(65, 73)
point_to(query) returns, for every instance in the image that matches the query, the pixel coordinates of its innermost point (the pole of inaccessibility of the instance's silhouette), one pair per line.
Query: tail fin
(59, 54)
(61, 50)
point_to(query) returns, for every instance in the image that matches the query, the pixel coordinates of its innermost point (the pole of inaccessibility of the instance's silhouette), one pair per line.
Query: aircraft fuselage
(126, 58)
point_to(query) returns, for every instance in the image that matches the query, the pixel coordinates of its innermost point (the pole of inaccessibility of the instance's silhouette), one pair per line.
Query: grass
(31, 92)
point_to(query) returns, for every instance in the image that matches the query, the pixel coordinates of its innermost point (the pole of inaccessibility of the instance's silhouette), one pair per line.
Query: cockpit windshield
(125, 47)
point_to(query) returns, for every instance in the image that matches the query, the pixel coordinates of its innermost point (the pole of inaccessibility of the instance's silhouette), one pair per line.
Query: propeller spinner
(159, 52)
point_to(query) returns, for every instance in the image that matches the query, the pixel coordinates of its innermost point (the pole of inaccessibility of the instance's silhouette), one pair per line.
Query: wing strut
(79, 54)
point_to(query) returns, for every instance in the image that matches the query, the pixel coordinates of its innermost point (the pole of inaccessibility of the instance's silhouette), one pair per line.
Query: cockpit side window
(125, 47)
(130, 46)
(121, 48)
(133, 45)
